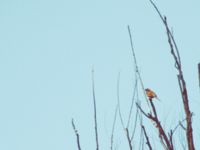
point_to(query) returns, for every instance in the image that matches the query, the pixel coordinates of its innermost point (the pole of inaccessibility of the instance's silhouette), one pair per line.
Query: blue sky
(47, 51)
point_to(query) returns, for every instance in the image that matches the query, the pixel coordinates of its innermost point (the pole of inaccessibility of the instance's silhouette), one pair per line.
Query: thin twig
(137, 76)
(136, 115)
(95, 112)
(179, 124)
(77, 135)
(113, 127)
(131, 108)
(135, 123)
(118, 100)
(132, 48)
(128, 139)
(168, 30)
(142, 110)
(199, 73)
(162, 135)
(136, 66)
(141, 146)
(147, 138)
(120, 115)
(170, 134)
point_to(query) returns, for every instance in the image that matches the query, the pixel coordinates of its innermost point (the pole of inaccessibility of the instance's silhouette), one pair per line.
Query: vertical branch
(118, 101)
(137, 75)
(113, 127)
(136, 115)
(95, 112)
(132, 48)
(182, 84)
(171, 138)
(135, 123)
(141, 133)
(199, 73)
(77, 135)
(120, 116)
(129, 139)
(136, 66)
(153, 107)
(183, 89)
(170, 33)
(147, 138)
(131, 108)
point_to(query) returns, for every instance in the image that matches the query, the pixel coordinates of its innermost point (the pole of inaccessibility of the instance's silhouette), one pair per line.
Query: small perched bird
(150, 94)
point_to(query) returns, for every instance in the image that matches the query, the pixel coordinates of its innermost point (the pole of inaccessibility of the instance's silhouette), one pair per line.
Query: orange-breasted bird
(151, 94)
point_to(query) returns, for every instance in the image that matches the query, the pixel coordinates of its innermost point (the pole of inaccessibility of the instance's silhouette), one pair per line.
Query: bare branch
(135, 123)
(147, 115)
(136, 66)
(141, 134)
(131, 108)
(162, 135)
(95, 112)
(182, 84)
(120, 115)
(163, 18)
(153, 107)
(147, 138)
(128, 139)
(156, 8)
(113, 127)
(180, 124)
(199, 73)
(118, 100)
(171, 138)
(77, 135)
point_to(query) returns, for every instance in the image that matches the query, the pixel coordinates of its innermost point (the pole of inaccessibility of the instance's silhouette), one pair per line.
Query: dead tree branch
(180, 125)
(199, 73)
(77, 135)
(113, 128)
(136, 65)
(147, 138)
(120, 116)
(95, 112)
(132, 104)
(135, 123)
(162, 135)
(181, 81)
(118, 102)
(141, 133)
(128, 139)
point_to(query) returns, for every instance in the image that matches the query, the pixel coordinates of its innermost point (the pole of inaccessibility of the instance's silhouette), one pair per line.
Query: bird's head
(147, 89)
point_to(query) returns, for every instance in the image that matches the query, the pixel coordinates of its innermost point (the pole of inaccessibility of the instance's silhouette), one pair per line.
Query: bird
(151, 94)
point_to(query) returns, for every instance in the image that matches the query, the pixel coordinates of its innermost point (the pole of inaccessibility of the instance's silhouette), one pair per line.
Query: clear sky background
(48, 48)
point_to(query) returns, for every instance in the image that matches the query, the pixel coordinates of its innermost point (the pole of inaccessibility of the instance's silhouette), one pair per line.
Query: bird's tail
(157, 98)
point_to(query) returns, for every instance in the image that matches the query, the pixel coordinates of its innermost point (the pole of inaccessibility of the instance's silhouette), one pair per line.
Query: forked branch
(181, 81)
(147, 138)
(162, 135)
